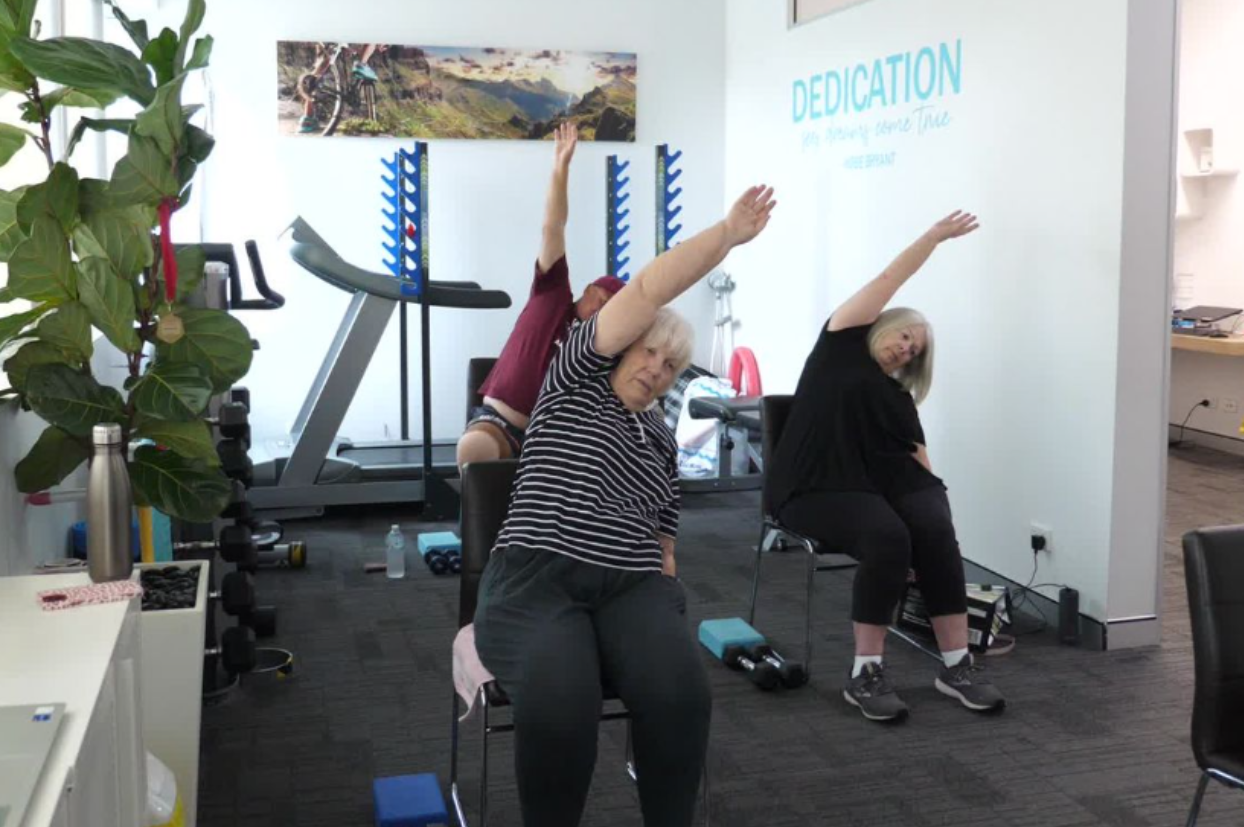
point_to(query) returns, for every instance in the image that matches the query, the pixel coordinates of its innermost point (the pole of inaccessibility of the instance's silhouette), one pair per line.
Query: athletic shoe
(364, 72)
(871, 693)
(966, 682)
(308, 124)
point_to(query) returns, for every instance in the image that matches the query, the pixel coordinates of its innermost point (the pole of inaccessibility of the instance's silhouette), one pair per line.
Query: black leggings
(888, 537)
(552, 629)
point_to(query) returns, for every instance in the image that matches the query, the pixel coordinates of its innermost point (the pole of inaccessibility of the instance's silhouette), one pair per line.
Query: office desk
(1231, 346)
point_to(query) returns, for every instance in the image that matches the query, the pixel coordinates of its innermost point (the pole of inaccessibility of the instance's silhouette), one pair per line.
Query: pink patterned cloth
(53, 600)
(469, 673)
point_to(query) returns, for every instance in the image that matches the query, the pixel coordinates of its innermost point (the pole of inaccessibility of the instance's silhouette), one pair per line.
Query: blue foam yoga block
(442, 541)
(410, 801)
(717, 635)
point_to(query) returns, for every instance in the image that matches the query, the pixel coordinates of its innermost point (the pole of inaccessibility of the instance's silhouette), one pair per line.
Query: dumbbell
(288, 555)
(236, 650)
(235, 461)
(233, 422)
(762, 673)
(791, 672)
(237, 594)
(263, 620)
(442, 562)
(236, 545)
(239, 508)
(241, 396)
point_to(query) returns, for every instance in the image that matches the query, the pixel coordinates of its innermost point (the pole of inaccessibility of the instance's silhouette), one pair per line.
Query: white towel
(469, 672)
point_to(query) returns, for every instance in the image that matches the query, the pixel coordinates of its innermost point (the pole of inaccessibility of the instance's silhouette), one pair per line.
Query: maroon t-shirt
(519, 372)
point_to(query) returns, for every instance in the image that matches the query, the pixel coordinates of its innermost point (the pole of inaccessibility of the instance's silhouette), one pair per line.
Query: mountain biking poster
(383, 90)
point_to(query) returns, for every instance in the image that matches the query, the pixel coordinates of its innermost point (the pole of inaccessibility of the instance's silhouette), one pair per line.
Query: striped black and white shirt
(596, 482)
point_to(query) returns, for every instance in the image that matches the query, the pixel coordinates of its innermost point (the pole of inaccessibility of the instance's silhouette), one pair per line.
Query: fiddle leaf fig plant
(96, 257)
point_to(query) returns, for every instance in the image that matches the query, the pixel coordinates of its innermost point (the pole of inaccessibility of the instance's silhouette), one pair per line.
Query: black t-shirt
(851, 427)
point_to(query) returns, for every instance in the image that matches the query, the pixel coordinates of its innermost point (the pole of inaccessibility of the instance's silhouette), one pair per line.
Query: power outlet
(1213, 402)
(1043, 531)
(1231, 406)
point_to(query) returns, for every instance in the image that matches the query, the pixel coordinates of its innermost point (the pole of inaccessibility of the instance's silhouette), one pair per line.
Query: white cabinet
(88, 658)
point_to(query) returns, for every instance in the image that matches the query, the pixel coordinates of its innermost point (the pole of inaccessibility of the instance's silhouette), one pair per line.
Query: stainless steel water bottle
(109, 550)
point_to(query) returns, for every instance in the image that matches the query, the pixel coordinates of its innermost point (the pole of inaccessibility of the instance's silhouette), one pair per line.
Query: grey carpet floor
(1089, 738)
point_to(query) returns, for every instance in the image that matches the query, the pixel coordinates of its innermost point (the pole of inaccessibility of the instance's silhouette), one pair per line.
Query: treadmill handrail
(310, 251)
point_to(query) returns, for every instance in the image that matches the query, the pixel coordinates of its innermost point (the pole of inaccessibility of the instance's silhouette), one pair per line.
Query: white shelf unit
(1191, 181)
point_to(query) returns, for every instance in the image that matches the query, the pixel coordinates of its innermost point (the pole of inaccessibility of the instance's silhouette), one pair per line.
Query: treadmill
(322, 470)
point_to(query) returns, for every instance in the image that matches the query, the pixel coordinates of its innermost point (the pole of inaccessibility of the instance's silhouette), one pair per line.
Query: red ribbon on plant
(166, 248)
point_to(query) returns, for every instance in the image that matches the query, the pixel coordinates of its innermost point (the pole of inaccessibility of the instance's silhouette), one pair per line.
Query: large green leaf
(186, 169)
(215, 340)
(190, 439)
(15, 323)
(110, 301)
(55, 455)
(30, 355)
(120, 234)
(6, 295)
(137, 29)
(18, 15)
(81, 98)
(182, 488)
(97, 125)
(202, 54)
(12, 139)
(68, 328)
(86, 64)
(198, 143)
(40, 268)
(57, 197)
(173, 391)
(11, 233)
(161, 55)
(71, 400)
(14, 77)
(145, 175)
(162, 121)
(195, 13)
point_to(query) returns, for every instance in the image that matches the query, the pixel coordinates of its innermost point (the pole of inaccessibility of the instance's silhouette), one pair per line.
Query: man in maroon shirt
(495, 430)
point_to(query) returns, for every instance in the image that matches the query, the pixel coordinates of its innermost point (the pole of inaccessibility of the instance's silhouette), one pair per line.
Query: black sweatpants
(889, 538)
(550, 629)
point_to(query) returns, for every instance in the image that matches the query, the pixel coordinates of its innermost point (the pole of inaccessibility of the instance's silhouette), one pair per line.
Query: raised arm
(670, 274)
(556, 204)
(866, 305)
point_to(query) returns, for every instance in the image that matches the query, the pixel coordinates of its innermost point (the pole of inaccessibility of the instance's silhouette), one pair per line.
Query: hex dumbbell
(791, 672)
(762, 673)
(236, 651)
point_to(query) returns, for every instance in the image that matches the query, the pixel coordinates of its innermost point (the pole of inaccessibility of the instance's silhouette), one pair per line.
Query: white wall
(1022, 418)
(487, 196)
(1210, 246)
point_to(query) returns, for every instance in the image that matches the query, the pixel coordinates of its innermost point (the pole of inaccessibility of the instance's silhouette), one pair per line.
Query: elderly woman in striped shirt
(580, 590)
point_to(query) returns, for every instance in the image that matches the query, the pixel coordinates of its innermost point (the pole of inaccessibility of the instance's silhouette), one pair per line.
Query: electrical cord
(1204, 403)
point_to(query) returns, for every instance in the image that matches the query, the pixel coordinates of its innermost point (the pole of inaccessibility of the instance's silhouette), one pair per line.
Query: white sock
(861, 660)
(952, 658)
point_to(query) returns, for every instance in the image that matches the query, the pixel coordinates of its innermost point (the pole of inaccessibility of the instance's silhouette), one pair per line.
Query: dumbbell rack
(230, 649)
(616, 213)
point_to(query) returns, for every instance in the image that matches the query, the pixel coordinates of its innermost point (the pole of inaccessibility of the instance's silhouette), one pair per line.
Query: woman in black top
(580, 591)
(851, 470)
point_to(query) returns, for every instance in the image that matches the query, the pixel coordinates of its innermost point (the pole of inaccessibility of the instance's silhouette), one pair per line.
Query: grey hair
(672, 333)
(917, 375)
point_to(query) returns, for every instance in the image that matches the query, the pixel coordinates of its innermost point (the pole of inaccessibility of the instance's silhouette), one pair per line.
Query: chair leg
(483, 761)
(807, 632)
(1196, 801)
(760, 550)
(453, 768)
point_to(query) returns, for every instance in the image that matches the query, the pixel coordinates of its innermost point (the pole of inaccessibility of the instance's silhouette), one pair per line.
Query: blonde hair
(917, 375)
(672, 333)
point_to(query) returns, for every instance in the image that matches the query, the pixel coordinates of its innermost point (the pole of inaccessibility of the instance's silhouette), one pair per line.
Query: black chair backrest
(774, 411)
(486, 488)
(477, 371)
(1214, 568)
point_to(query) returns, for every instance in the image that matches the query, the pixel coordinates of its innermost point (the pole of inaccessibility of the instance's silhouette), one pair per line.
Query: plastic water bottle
(395, 555)
(109, 552)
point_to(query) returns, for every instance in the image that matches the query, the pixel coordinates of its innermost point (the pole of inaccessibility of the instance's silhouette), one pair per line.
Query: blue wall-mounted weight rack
(666, 211)
(406, 217)
(616, 225)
